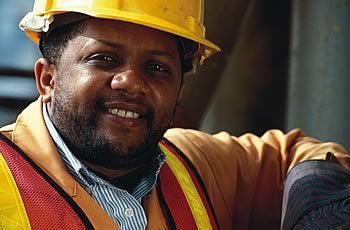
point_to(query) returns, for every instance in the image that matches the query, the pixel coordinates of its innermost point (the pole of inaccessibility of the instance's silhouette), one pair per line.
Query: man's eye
(157, 67)
(103, 60)
(106, 58)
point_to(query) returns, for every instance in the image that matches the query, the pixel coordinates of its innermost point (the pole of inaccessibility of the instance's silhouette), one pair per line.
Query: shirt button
(128, 212)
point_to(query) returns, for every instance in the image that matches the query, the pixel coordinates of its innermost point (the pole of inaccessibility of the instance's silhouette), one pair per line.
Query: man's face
(115, 91)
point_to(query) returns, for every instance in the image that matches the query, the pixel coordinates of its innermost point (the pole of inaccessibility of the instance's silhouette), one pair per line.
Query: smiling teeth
(124, 113)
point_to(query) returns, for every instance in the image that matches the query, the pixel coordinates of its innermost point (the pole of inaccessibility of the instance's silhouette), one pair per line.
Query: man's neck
(124, 179)
(108, 172)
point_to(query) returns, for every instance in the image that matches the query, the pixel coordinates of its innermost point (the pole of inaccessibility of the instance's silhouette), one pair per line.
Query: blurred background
(284, 64)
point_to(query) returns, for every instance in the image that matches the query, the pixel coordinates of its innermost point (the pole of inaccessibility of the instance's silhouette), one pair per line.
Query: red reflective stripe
(46, 207)
(176, 200)
(196, 183)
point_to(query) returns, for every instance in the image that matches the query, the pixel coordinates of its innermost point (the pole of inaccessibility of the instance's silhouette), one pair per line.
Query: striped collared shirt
(124, 208)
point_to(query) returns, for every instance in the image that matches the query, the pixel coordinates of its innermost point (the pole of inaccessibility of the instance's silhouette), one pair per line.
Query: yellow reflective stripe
(193, 198)
(12, 211)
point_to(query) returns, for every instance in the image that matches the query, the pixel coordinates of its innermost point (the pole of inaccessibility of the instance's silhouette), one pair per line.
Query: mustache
(122, 96)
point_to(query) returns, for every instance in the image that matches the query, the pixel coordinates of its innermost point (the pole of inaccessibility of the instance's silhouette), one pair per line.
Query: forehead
(129, 34)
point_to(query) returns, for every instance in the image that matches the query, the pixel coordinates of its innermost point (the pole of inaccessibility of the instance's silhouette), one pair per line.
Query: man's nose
(130, 80)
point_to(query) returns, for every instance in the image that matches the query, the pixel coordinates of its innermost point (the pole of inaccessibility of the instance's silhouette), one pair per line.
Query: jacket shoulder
(8, 130)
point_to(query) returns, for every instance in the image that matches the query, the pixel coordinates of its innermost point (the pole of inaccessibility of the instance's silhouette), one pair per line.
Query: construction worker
(92, 153)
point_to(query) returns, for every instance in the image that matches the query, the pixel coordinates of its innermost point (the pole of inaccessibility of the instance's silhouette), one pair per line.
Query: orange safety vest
(30, 199)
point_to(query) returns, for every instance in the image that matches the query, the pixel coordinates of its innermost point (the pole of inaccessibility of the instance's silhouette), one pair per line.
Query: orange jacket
(243, 175)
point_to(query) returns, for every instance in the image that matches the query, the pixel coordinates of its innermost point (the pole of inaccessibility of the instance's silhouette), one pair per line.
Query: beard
(79, 131)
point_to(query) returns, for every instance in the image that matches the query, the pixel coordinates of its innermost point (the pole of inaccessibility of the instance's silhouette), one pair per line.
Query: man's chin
(119, 154)
(120, 162)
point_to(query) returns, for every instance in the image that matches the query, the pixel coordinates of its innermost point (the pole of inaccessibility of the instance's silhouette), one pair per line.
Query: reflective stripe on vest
(184, 192)
(12, 211)
(41, 204)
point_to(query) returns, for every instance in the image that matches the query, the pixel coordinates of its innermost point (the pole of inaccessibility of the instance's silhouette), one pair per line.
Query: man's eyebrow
(110, 43)
(161, 53)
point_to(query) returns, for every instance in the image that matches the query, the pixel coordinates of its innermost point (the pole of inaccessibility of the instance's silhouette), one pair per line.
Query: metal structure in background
(17, 57)
(17, 90)
(250, 96)
(318, 98)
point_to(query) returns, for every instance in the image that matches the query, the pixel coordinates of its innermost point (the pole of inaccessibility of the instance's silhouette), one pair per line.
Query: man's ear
(44, 77)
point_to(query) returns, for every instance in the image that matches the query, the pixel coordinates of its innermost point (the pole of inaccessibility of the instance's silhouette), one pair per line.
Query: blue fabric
(317, 196)
(124, 208)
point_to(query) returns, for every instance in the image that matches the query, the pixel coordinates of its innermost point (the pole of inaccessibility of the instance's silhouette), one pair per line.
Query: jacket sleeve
(244, 175)
(316, 196)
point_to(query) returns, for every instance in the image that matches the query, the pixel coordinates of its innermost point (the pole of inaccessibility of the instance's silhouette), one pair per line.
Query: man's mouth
(123, 113)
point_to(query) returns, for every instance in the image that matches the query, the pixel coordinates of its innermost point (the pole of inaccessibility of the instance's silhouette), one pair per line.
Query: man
(90, 152)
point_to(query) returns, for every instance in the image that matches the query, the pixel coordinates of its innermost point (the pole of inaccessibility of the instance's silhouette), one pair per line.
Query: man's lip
(123, 122)
(141, 110)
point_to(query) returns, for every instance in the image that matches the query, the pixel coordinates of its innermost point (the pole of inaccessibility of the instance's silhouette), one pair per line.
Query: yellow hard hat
(183, 18)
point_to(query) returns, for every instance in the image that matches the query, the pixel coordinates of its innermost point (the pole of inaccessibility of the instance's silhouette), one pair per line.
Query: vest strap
(38, 192)
(183, 191)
